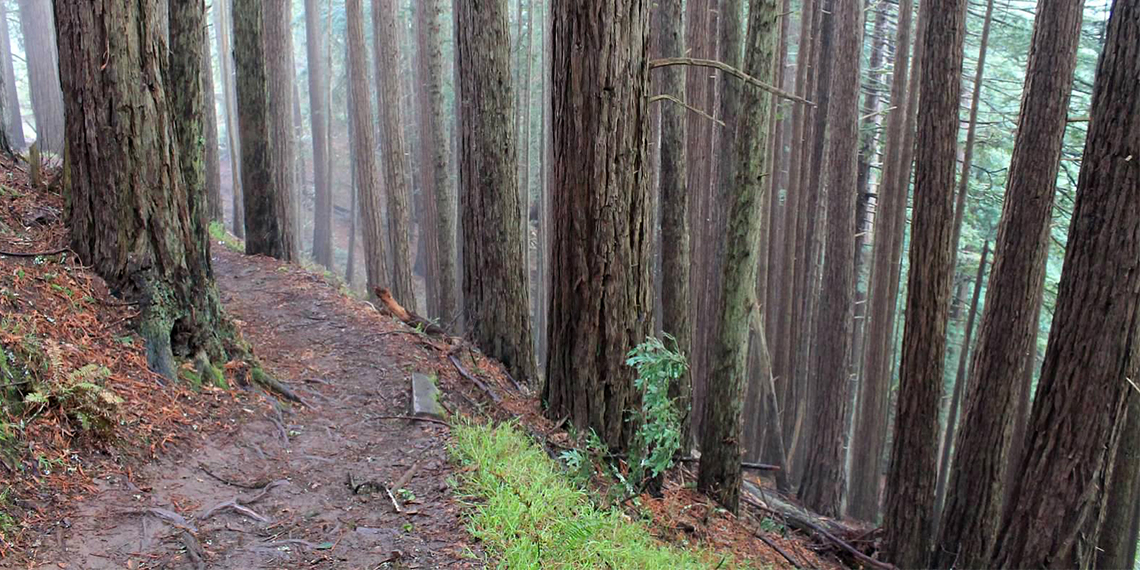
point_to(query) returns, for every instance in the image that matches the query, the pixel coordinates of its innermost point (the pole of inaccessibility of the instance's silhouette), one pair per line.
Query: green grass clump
(219, 233)
(528, 515)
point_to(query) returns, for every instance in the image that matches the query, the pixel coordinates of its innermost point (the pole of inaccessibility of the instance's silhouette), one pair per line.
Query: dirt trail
(331, 350)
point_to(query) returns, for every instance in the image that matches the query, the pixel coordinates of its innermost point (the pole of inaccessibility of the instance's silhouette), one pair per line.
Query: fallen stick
(490, 393)
(409, 418)
(411, 319)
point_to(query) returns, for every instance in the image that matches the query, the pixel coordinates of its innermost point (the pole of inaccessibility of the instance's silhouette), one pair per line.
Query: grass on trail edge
(528, 514)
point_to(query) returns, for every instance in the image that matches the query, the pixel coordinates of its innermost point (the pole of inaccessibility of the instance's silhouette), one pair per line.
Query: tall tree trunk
(318, 123)
(267, 205)
(542, 301)
(427, 53)
(1024, 396)
(494, 282)
(914, 459)
(960, 379)
(13, 116)
(225, 58)
(721, 449)
(123, 190)
(363, 156)
(525, 45)
(1116, 533)
(278, 50)
(824, 480)
(43, 73)
(214, 209)
(1093, 341)
(675, 255)
(872, 411)
(387, 60)
(974, 497)
(601, 294)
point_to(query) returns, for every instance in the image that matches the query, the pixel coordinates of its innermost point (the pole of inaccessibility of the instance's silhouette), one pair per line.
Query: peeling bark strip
(1093, 348)
(134, 216)
(494, 280)
(1009, 324)
(600, 297)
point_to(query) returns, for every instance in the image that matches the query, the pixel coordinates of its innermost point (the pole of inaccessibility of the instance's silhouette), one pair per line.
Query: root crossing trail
(273, 492)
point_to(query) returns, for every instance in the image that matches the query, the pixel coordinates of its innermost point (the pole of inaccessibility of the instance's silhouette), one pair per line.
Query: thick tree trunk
(974, 497)
(913, 472)
(824, 480)
(13, 116)
(123, 189)
(363, 156)
(874, 387)
(675, 255)
(1116, 534)
(601, 294)
(394, 147)
(214, 209)
(318, 124)
(225, 58)
(721, 440)
(1024, 397)
(1092, 345)
(43, 73)
(278, 50)
(266, 204)
(494, 282)
(960, 379)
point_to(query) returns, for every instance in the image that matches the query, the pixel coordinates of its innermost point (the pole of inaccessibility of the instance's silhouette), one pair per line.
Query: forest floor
(221, 477)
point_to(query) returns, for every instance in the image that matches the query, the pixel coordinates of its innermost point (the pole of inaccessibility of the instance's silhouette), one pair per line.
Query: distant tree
(824, 479)
(869, 438)
(134, 215)
(495, 296)
(13, 117)
(676, 257)
(721, 438)
(908, 519)
(214, 208)
(43, 73)
(223, 25)
(390, 89)
(1092, 348)
(438, 219)
(267, 205)
(318, 124)
(363, 143)
(601, 299)
(974, 496)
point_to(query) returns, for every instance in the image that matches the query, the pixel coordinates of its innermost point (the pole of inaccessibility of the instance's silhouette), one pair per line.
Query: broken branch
(667, 61)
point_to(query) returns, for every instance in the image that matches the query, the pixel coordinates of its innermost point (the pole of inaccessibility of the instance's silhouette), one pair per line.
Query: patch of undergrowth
(528, 514)
(230, 241)
(658, 435)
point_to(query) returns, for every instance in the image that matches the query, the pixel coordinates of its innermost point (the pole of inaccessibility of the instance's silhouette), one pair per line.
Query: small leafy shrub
(658, 434)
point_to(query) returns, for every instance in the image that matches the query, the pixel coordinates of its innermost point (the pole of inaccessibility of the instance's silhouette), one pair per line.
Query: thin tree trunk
(974, 499)
(542, 300)
(319, 105)
(525, 45)
(38, 27)
(825, 480)
(960, 379)
(13, 116)
(1024, 396)
(225, 58)
(721, 449)
(494, 279)
(912, 475)
(1093, 341)
(394, 147)
(601, 295)
(214, 209)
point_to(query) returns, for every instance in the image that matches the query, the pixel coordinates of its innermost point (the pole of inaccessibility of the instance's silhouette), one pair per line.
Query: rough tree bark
(913, 470)
(43, 73)
(721, 440)
(278, 51)
(960, 379)
(675, 255)
(134, 216)
(494, 283)
(225, 58)
(318, 123)
(363, 157)
(977, 475)
(824, 480)
(1093, 342)
(439, 211)
(601, 287)
(1116, 536)
(266, 204)
(13, 116)
(214, 209)
(392, 143)
(871, 412)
